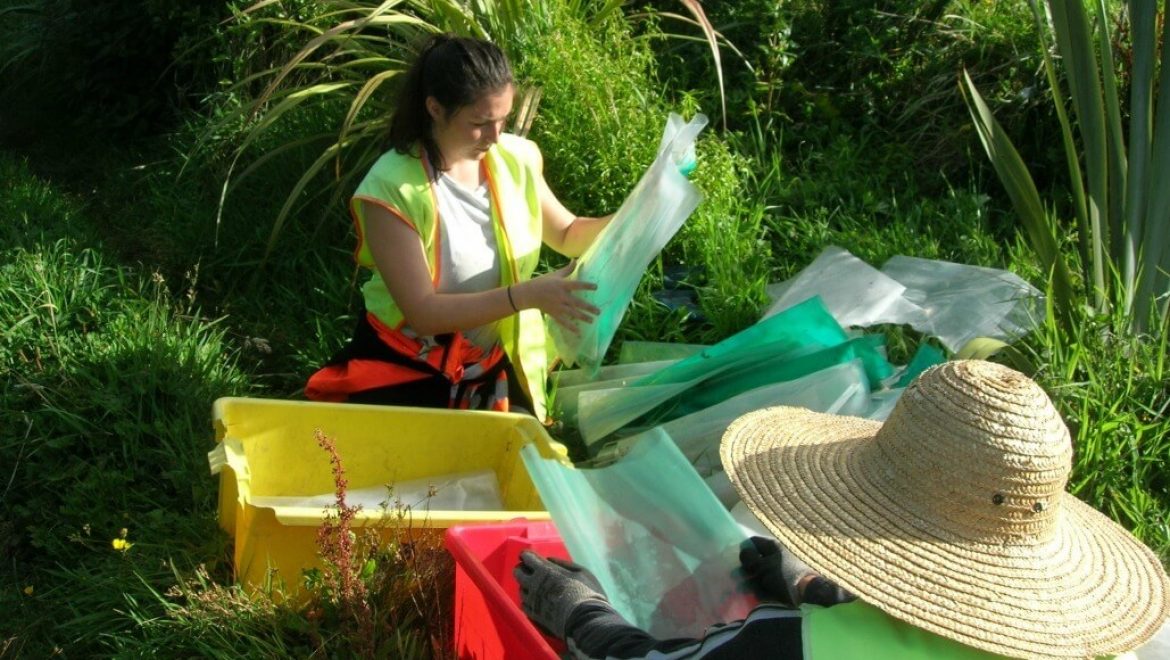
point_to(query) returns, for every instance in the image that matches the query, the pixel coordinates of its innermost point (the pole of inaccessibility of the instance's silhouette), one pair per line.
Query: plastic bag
(855, 293)
(960, 302)
(663, 547)
(567, 397)
(577, 377)
(795, 343)
(652, 214)
(841, 389)
(802, 329)
(653, 351)
(950, 301)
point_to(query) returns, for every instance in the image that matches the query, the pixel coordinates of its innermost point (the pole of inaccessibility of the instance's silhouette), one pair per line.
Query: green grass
(124, 316)
(1113, 389)
(105, 405)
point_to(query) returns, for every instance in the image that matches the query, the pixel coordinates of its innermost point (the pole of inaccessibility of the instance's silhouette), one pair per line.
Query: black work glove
(550, 589)
(777, 573)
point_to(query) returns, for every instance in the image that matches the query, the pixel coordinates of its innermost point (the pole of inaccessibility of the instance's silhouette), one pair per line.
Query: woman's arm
(564, 231)
(398, 255)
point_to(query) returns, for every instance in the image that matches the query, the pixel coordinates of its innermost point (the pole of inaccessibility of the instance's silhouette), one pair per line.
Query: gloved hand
(778, 573)
(550, 589)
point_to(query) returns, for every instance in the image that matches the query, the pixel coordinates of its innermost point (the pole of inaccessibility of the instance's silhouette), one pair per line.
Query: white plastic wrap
(953, 302)
(464, 491)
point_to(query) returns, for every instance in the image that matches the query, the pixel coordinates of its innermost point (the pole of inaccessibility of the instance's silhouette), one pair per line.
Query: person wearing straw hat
(949, 522)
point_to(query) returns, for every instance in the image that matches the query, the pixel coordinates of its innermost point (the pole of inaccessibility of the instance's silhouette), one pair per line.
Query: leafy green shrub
(756, 47)
(892, 67)
(105, 64)
(839, 195)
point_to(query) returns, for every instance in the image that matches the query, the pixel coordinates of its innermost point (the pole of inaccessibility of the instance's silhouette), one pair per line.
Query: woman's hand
(554, 294)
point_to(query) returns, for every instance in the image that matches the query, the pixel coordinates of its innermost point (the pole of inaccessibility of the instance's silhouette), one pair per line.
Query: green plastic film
(841, 389)
(655, 210)
(798, 335)
(663, 547)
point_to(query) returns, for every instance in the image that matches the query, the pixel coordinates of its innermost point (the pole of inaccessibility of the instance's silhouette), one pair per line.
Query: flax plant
(1120, 202)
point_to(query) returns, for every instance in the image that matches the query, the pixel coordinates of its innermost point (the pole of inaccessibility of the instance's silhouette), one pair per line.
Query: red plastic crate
(489, 623)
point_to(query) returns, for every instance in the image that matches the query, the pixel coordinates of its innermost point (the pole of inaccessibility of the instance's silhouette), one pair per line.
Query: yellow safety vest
(399, 183)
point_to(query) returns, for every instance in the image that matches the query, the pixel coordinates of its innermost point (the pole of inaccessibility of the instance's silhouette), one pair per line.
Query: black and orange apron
(391, 367)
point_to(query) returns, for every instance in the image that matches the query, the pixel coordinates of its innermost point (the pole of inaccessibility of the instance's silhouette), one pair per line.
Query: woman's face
(470, 131)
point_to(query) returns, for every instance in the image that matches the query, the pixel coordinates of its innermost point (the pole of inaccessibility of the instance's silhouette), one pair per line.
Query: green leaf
(1074, 41)
(1025, 198)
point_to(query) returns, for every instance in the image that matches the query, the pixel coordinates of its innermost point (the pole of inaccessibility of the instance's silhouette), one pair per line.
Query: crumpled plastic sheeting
(960, 302)
(855, 293)
(798, 332)
(605, 411)
(1158, 648)
(653, 351)
(842, 389)
(571, 384)
(664, 549)
(655, 210)
(953, 302)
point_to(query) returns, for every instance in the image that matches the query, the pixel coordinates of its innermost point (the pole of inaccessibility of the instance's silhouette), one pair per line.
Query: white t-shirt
(470, 260)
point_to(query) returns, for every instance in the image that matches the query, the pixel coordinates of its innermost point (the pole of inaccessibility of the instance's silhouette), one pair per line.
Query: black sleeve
(596, 631)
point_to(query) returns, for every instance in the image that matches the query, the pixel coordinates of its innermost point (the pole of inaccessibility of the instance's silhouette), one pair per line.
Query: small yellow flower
(122, 545)
(28, 591)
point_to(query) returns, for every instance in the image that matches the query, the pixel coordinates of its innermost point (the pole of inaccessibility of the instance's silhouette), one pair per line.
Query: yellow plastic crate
(268, 448)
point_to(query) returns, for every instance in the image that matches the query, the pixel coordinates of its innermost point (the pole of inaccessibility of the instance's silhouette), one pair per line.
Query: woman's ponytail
(457, 71)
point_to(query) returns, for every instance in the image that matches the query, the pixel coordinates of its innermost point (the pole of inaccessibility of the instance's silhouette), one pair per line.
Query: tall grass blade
(1155, 257)
(1076, 180)
(293, 196)
(696, 10)
(1075, 43)
(359, 102)
(1114, 137)
(1142, 14)
(1022, 191)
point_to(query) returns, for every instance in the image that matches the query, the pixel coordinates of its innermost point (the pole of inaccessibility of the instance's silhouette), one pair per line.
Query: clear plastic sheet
(663, 547)
(1157, 648)
(603, 412)
(567, 397)
(855, 293)
(953, 302)
(800, 330)
(960, 302)
(652, 214)
(925, 357)
(842, 389)
(868, 350)
(576, 377)
(464, 491)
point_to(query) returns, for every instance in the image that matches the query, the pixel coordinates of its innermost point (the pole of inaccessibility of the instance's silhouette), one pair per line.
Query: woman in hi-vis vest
(451, 220)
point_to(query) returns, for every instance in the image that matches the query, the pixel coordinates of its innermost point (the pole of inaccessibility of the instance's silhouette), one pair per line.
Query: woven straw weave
(953, 516)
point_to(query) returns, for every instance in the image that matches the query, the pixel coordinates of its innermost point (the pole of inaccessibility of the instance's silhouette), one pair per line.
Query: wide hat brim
(1091, 589)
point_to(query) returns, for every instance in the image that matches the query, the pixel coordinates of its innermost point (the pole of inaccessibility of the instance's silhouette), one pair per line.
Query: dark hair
(457, 71)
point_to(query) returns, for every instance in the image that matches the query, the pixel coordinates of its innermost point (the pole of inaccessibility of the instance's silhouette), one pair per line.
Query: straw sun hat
(952, 516)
